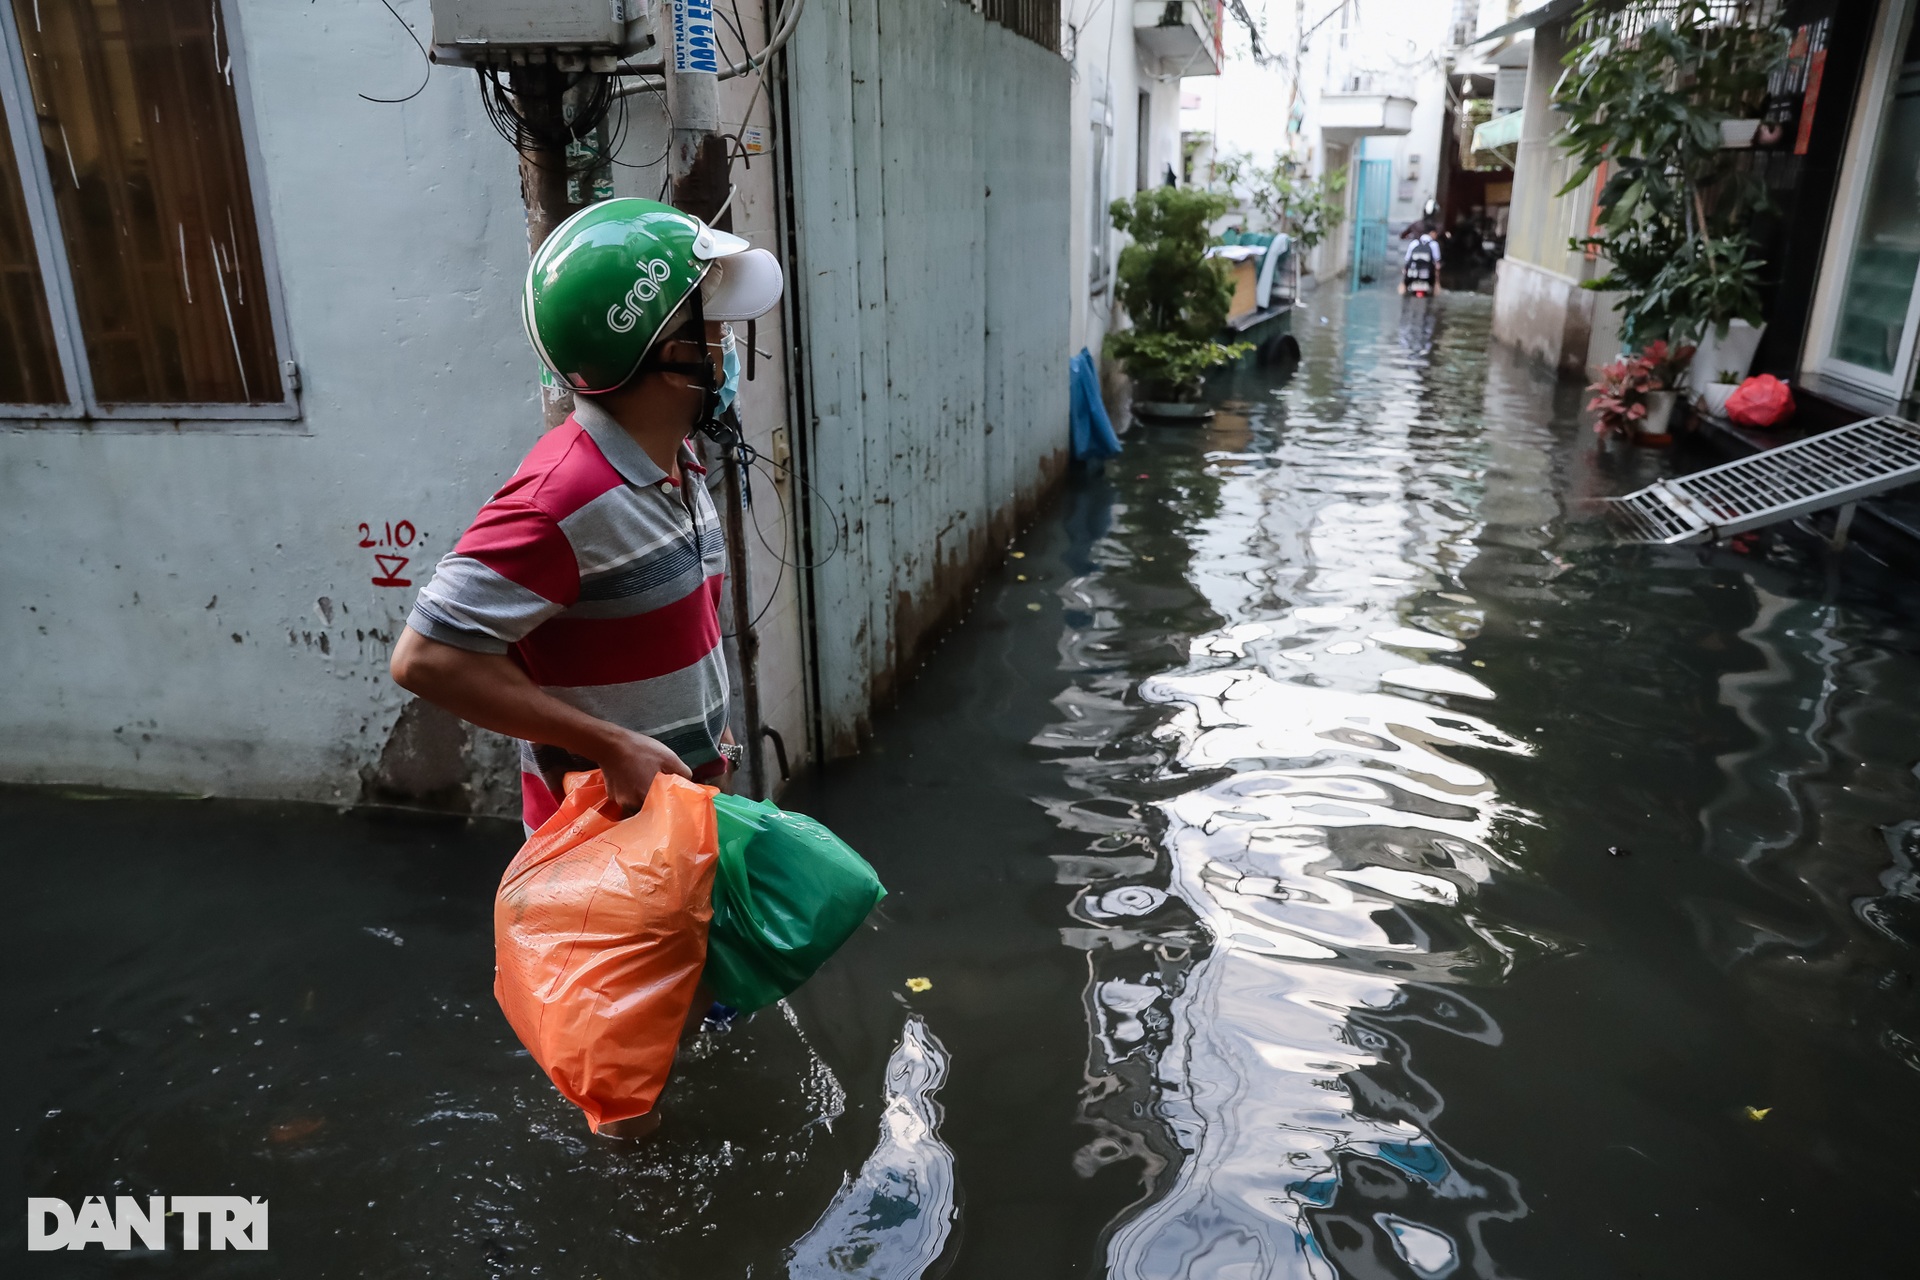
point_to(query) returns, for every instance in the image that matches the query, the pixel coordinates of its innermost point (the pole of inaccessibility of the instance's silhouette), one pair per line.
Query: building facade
(1128, 61)
(1842, 241)
(1354, 87)
(261, 359)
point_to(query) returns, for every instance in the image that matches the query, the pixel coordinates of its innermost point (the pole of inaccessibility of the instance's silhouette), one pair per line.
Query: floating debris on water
(294, 1130)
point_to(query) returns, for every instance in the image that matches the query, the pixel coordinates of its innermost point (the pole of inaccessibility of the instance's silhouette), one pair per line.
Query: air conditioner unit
(501, 32)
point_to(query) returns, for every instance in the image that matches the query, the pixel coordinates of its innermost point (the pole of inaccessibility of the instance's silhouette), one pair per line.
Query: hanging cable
(747, 457)
(424, 76)
(529, 137)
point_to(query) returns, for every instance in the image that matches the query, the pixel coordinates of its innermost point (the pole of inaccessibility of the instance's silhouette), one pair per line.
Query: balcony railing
(1037, 20)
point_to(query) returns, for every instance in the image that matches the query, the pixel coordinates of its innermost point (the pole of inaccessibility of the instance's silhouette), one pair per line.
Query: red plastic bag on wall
(600, 935)
(1762, 401)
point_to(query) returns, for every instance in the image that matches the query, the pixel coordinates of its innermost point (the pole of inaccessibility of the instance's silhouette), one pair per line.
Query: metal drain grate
(1827, 470)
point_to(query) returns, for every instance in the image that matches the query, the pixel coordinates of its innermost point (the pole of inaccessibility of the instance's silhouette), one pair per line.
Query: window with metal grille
(136, 283)
(1037, 20)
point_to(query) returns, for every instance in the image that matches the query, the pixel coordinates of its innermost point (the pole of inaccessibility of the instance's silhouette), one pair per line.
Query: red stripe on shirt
(568, 653)
(562, 473)
(537, 804)
(524, 546)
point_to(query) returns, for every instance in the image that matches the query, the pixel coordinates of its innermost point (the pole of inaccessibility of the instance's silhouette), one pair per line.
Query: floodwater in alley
(1326, 853)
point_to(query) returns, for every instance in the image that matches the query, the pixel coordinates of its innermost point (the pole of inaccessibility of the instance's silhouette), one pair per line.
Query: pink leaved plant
(1621, 394)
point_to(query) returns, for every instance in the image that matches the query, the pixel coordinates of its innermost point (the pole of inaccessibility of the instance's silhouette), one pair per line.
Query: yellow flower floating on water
(917, 985)
(1757, 1114)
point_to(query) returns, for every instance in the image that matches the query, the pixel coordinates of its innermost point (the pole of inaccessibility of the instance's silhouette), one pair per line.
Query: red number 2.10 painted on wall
(394, 534)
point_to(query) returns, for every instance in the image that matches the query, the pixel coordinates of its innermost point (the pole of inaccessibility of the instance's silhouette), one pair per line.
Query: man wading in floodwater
(579, 612)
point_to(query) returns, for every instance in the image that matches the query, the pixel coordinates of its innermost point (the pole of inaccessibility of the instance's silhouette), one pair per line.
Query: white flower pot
(1713, 397)
(1659, 413)
(1721, 353)
(1196, 414)
(1737, 133)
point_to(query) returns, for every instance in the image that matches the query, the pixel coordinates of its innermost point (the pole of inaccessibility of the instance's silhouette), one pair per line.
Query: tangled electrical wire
(578, 130)
(603, 107)
(747, 458)
(534, 131)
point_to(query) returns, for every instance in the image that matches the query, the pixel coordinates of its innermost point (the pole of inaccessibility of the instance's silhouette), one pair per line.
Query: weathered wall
(1543, 313)
(190, 607)
(199, 614)
(930, 190)
(1110, 72)
(1539, 305)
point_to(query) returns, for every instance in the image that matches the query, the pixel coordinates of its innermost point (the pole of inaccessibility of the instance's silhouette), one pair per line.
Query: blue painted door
(1370, 221)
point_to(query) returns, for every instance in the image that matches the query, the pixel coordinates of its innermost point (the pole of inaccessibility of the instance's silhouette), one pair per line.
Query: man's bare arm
(487, 689)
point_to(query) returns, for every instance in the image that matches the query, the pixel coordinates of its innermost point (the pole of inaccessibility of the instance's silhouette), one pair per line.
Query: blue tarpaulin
(1093, 437)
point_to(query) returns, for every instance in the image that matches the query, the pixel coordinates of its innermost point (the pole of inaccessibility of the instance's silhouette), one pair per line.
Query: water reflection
(892, 1220)
(1305, 783)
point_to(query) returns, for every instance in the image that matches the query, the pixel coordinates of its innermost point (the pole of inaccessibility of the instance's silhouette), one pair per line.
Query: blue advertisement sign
(694, 46)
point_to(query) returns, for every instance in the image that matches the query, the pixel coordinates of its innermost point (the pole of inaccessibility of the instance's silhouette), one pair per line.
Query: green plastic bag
(787, 894)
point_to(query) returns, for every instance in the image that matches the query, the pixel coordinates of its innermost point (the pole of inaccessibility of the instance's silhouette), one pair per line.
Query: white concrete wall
(1108, 66)
(1539, 305)
(188, 607)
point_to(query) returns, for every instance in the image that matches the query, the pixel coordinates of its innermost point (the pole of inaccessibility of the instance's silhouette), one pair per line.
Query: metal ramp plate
(1828, 470)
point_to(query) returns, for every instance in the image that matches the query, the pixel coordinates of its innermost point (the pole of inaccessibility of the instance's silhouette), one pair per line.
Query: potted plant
(1645, 93)
(1636, 394)
(1713, 397)
(1725, 356)
(1176, 297)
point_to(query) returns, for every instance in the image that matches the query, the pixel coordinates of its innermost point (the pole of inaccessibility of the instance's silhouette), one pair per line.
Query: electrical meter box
(478, 32)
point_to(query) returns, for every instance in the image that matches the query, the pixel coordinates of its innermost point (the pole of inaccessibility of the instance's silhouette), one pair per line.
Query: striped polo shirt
(600, 575)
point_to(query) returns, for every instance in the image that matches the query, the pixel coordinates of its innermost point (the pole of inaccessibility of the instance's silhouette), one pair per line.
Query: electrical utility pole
(540, 91)
(700, 168)
(547, 72)
(697, 157)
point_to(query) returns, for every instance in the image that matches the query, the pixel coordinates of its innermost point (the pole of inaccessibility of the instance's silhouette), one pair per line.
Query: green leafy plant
(1286, 197)
(1176, 296)
(1305, 208)
(1644, 93)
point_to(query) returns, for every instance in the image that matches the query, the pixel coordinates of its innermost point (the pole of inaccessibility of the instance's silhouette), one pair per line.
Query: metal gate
(1831, 469)
(1370, 221)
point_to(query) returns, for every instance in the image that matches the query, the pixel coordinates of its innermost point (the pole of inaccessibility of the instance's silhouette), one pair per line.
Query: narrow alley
(1320, 850)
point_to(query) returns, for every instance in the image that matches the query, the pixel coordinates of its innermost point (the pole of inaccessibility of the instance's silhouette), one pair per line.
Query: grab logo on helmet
(623, 315)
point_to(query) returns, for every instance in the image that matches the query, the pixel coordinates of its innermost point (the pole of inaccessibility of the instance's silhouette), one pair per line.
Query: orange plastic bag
(600, 934)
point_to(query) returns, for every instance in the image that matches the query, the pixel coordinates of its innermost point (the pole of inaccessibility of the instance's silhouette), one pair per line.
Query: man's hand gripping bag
(600, 934)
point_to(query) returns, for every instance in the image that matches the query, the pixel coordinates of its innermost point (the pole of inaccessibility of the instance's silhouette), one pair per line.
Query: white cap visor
(743, 285)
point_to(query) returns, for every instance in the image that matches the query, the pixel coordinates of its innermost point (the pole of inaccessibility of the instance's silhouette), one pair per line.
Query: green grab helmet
(605, 283)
